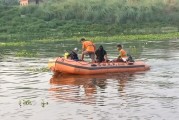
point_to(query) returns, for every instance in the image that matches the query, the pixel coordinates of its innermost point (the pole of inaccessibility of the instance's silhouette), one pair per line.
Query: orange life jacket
(122, 53)
(88, 46)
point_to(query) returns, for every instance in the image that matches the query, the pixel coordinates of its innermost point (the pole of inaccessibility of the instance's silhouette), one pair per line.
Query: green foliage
(61, 18)
(9, 2)
(138, 37)
(44, 69)
(25, 102)
(25, 53)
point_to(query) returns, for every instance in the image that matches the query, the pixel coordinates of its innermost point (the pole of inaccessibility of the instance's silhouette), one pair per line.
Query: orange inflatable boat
(63, 65)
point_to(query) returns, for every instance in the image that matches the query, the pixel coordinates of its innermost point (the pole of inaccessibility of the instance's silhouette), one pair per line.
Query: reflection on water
(151, 95)
(83, 89)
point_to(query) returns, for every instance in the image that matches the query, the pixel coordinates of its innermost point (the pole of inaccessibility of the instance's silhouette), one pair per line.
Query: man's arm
(94, 46)
(105, 56)
(83, 47)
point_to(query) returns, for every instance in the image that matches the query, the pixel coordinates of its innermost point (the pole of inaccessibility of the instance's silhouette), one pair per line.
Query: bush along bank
(70, 18)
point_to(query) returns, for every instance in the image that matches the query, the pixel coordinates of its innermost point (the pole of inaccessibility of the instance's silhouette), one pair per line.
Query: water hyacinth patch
(25, 53)
(25, 102)
(43, 69)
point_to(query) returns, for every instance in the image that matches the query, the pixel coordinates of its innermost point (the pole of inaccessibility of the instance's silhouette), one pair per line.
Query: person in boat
(88, 48)
(66, 54)
(122, 54)
(101, 54)
(74, 54)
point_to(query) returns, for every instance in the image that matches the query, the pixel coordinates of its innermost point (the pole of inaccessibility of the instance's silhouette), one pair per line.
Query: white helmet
(75, 49)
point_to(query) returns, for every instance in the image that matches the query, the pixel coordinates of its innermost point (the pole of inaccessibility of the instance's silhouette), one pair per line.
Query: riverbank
(113, 20)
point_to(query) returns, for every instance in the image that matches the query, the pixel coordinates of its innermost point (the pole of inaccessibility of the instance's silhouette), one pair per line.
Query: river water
(28, 91)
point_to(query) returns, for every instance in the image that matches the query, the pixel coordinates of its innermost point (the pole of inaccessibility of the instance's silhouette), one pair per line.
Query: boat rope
(83, 63)
(95, 64)
(75, 61)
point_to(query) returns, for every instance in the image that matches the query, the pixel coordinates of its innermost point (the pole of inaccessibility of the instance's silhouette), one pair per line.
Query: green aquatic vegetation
(25, 102)
(165, 36)
(43, 103)
(25, 53)
(10, 44)
(122, 37)
(29, 102)
(44, 69)
(47, 40)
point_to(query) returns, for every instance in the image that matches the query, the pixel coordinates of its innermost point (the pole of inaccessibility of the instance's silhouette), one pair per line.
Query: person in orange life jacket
(122, 54)
(73, 55)
(88, 48)
(101, 54)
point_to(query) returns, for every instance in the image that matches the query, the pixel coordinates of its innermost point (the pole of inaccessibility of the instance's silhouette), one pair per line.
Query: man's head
(82, 39)
(100, 47)
(119, 46)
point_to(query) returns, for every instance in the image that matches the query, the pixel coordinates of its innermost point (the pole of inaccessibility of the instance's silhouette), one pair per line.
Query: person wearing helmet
(74, 54)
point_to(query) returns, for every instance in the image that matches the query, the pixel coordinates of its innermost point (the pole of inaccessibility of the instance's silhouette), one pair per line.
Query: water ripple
(145, 95)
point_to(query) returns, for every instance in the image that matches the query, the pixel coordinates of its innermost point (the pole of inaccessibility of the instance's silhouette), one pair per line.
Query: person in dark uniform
(101, 54)
(74, 54)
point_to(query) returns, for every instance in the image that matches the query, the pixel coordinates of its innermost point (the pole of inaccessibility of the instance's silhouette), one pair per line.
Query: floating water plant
(25, 102)
(25, 53)
(43, 103)
(29, 102)
(43, 69)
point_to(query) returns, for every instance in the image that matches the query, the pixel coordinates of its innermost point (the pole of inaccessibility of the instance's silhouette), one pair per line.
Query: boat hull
(85, 68)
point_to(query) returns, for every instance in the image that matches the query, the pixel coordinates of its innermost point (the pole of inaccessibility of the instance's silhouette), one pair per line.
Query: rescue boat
(68, 66)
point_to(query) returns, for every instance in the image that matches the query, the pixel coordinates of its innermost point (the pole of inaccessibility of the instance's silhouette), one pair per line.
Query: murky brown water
(29, 93)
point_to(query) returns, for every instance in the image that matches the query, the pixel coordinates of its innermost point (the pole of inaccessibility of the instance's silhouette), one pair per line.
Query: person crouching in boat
(122, 54)
(74, 54)
(101, 54)
(88, 48)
